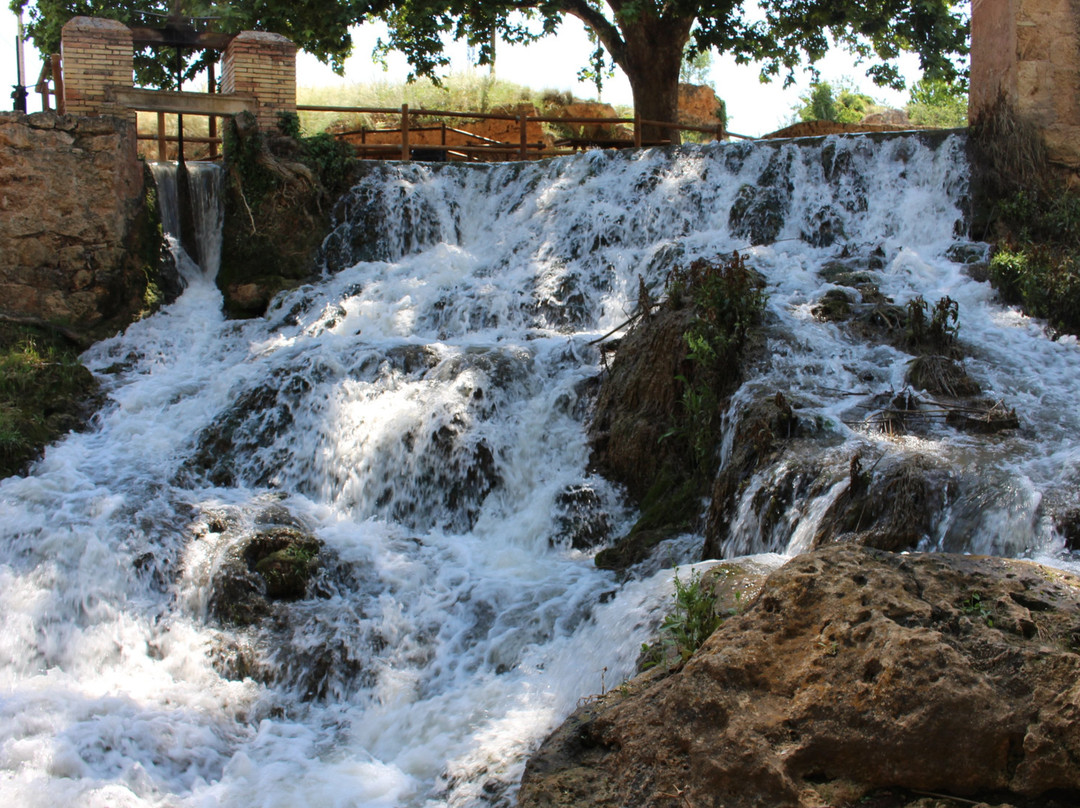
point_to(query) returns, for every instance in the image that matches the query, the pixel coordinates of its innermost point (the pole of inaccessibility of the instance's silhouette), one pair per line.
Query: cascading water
(202, 184)
(420, 413)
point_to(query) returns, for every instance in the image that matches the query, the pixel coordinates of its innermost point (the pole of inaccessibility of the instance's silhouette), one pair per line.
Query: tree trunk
(651, 60)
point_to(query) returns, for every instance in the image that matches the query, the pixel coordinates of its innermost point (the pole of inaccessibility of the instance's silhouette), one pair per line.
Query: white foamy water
(421, 411)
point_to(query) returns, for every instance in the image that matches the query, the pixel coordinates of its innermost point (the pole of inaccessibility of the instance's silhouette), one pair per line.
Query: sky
(552, 63)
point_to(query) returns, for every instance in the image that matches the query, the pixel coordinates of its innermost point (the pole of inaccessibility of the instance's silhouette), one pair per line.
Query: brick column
(263, 65)
(96, 55)
(1027, 52)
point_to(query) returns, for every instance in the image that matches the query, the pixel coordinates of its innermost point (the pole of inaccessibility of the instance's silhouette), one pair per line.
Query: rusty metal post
(523, 126)
(406, 152)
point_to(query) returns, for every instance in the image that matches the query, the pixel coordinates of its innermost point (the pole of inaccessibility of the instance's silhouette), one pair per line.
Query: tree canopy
(319, 27)
(646, 38)
(842, 104)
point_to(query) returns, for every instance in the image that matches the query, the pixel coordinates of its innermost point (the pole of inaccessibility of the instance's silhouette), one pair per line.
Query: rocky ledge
(854, 677)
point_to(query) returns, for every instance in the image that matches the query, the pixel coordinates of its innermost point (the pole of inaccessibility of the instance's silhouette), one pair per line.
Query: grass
(44, 391)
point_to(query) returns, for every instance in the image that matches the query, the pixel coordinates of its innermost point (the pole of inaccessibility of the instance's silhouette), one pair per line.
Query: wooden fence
(398, 142)
(487, 149)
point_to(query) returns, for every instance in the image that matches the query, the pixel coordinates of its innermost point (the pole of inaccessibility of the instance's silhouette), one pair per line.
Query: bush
(692, 620)
(729, 300)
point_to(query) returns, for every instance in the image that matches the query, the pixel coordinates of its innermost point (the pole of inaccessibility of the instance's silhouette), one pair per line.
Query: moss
(44, 392)
(670, 507)
(278, 198)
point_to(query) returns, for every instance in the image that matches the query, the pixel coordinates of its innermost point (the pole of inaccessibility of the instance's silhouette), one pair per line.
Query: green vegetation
(842, 105)
(647, 38)
(938, 103)
(318, 27)
(470, 90)
(936, 332)
(1035, 264)
(44, 391)
(692, 620)
(729, 301)
(1031, 216)
(973, 605)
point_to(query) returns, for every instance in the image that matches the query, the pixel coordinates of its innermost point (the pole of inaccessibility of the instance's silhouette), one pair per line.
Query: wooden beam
(182, 103)
(157, 37)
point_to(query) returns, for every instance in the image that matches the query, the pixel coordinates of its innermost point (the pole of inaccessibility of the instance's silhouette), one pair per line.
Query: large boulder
(851, 672)
(699, 105)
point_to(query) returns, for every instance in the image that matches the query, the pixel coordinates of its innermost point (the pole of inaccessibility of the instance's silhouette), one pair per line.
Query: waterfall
(198, 253)
(415, 423)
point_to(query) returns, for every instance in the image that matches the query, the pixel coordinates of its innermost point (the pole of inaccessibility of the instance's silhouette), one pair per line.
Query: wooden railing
(50, 84)
(481, 147)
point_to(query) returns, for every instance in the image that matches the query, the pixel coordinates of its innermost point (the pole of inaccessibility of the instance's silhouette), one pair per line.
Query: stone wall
(263, 65)
(71, 209)
(1027, 53)
(97, 55)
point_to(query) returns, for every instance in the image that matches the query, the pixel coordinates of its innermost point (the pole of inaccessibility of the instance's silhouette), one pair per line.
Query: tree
(695, 67)
(823, 104)
(319, 27)
(647, 38)
(938, 103)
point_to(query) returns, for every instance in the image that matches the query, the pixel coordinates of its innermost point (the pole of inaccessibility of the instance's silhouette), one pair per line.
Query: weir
(343, 554)
(192, 214)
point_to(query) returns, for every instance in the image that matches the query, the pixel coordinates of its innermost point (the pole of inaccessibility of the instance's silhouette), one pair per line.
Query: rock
(271, 565)
(894, 509)
(592, 109)
(638, 399)
(763, 432)
(269, 579)
(890, 117)
(852, 671)
(77, 239)
(581, 518)
(699, 105)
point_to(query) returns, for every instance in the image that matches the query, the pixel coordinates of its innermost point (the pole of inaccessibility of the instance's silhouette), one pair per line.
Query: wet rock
(637, 402)
(581, 518)
(273, 564)
(893, 509)
(852, 672)
(758, 213)
(270, 580)
(1068, 525)
(764, 429)
(825, 227)
(227, 450)
(834, 306)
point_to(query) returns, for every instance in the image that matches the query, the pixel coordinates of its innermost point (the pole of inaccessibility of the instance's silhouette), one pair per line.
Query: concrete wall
(71, 199)
(1027, 53)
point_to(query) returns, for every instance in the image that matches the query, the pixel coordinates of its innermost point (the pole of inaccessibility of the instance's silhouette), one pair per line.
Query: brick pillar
(96, 55)
(1027, 52)
(263, 65)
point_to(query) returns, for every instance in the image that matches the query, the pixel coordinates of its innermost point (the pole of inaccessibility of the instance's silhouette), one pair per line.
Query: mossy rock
(834, 306)
(672, 506)
(276, 564)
